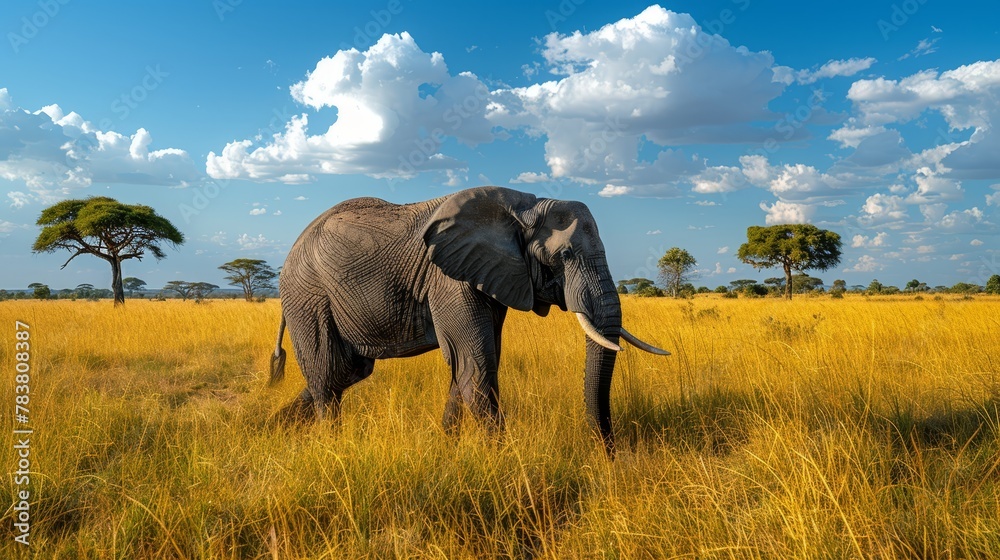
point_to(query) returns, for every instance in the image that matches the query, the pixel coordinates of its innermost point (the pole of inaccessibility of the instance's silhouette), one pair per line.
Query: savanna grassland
(817, 428)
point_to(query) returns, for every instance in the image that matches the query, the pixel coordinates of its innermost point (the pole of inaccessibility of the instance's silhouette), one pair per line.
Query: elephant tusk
(631, 339)
(592, 333)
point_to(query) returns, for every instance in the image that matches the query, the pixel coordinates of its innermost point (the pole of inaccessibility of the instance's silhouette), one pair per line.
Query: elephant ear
(477, 236)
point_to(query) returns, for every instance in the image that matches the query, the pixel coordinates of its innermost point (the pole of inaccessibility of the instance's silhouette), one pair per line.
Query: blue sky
(679, 123)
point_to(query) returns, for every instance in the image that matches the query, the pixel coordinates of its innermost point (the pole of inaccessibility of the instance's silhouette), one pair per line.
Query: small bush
(730, 295)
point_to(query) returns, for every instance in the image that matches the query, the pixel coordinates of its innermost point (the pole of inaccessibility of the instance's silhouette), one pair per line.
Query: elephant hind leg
(299, 411)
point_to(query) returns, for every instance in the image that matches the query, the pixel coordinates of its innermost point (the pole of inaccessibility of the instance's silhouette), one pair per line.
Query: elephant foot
(299, 411)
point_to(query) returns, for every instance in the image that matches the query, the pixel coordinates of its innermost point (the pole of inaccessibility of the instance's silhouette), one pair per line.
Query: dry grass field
(817, 428)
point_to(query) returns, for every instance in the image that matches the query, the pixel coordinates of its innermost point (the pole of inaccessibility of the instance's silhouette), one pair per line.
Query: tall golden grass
(817, 428)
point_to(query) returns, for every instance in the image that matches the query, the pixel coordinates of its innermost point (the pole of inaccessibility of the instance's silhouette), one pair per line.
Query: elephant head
(530, 253)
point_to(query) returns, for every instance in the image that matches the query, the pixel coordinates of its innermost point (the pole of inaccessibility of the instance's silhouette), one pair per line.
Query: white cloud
(706, 203)
(250, 243)
(962, 220)
(924, 47)
(782, 212)
(976, 243)
(300, 197)
(864, 241)
(865, 263)
(531, 177)
(276, 213)
(258, 211)
(924, 249)
(933, 188)
(5, 226)
(834, 68)
(53, 152)
(720, 179)
(636, 79)
(614, 190)
(5, 102)
(880, 208)
(395, 105)
(18, 199)
(722, 250)
(851, 135)
(718, 268)
(967, 98)
(731, 270)
(654, 232)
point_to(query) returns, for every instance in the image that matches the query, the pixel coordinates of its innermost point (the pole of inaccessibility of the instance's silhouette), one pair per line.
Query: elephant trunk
(592, 293)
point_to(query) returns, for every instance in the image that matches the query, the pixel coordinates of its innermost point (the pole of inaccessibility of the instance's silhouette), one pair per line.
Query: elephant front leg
(467, 323)
(453, 410)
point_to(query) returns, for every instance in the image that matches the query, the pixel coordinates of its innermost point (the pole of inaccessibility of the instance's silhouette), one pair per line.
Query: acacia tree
(133, 284)
(182, 288)
(676, 269)
(107, 229)
(251, 275)
(794, 247)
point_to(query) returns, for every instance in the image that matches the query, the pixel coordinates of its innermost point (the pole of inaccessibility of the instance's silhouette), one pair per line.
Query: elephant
(369, 279)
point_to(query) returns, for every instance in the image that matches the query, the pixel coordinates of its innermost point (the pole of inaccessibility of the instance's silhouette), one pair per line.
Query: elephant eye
(566, 254)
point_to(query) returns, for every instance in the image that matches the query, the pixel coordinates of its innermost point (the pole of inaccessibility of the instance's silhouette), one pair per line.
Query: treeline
(254, 277)
(804, 284)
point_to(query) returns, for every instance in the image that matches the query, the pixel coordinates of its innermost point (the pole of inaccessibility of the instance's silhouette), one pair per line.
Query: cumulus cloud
(53, 152)
(864, 241)
(248, 242)
(882, 208)
(258, 211)
(722, 250)
(395, 104)
(976, 243)
(531, 177)
(614, 190)
(654, 232)
(865, 263)
(967, 98)
(786, 213)
(635, 79)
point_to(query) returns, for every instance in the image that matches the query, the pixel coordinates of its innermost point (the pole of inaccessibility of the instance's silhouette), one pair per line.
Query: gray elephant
(369, 279)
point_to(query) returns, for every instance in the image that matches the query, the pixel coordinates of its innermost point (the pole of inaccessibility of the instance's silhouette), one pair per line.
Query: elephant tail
(278, 358)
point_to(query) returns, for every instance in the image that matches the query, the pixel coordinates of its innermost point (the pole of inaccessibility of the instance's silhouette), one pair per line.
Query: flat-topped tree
(252, 275)
(794, 247)
(108, 229)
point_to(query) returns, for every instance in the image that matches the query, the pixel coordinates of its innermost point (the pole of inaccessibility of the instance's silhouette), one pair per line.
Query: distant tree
(721, 290)
(201, 290)
(912, 285)
(875, 287)
(133, 284)
(775, 284)
(890, 290)
(802, 283)
(250, 274)
(41, 291)
(993, 284)
(642, 287)
(180, 287)
(840, 285)
(965, 288)
(740, 284)
(84, 290)
(676, 268)
(105, 228)
(795, 247)
(703, 290)
(622, 289)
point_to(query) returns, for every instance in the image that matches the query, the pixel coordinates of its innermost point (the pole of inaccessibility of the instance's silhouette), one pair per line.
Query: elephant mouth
(595, 335)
